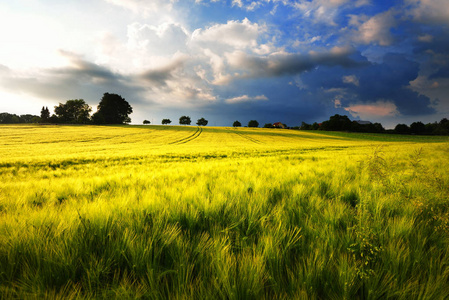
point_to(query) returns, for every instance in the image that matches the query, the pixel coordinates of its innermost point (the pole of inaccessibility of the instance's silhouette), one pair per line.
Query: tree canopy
(113, 109)
(237, 124)
(73, 111)
(45, 114)
(253, 123)
(166, 121)
(185, 120)
(202, 122)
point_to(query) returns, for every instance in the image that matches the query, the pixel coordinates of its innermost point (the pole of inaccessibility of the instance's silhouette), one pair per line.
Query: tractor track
(190, 138)
(249, 138)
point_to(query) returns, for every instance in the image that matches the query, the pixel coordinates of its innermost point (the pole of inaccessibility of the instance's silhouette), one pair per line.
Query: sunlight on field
(221, 213)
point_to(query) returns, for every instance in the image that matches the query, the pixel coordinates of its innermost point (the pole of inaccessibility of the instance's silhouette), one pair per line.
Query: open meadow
(170, 212)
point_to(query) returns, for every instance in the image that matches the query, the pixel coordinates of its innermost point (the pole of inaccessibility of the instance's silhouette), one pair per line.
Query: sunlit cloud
(246, 98)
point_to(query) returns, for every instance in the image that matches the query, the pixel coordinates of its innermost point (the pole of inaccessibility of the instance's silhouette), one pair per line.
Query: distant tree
(253, 123)
(315, 126)
(73, 111)
(113, 109)
(202, 122)
(146, 122)
(337, 123)
(185, 120)
(305, 126)
(166, 121)
(402, 129)
(29, 118)
(267, 125)
(7, 118)
(417, 128)
(237, 124)
(45, 114)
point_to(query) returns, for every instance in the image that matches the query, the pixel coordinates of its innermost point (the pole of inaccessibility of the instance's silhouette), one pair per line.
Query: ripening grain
(221, 213)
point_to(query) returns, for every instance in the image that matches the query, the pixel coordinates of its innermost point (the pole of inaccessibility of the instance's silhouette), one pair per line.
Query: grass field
(168, 212)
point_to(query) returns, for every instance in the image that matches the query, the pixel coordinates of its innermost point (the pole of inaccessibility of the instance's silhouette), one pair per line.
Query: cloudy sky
(271, 60)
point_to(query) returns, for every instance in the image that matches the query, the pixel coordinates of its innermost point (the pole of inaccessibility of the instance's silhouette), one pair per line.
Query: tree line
(114, 109)
(343, 123)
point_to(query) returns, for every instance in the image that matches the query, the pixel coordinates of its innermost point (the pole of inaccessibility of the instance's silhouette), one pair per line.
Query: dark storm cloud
(443, 72)
(280, 64)
(162, 74)
(80, 79)
(388, 81)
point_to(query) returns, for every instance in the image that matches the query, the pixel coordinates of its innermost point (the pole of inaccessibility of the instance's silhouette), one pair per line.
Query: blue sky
(269, 60)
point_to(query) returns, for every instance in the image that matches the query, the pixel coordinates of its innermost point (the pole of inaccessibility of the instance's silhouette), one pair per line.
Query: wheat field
(171, 212)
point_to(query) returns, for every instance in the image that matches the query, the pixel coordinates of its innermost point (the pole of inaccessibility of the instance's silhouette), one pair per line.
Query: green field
(169, 212)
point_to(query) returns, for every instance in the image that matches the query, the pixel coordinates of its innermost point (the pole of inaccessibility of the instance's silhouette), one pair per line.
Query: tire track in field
(190, 138)
(249, 138)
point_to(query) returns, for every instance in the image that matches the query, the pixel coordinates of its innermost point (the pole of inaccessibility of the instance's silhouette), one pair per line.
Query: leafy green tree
(146, 122)
(185, 120)
(166, 121)
(237, 124)
(45, 114)
(7, 118)
(268, 125)
(73, 111)
(113, 109)
(202, 122)
(253, 123)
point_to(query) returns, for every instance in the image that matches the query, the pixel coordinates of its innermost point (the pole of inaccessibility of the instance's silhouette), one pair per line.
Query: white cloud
(373, 30)
(246, 98)
(324, 11)
(165, 39)
(235, 34)
(429, 11)
(144, 6)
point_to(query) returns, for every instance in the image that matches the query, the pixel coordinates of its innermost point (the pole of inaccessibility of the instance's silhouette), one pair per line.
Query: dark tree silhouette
(45, 114)
(185, 120)
(113, 109)
(402, 129)
(146, 122)
(73, 111)
(202, 122)
(337, 123)
(418, 128)
(253, 123)
(166, 121)
(268, 125)
(237, 124)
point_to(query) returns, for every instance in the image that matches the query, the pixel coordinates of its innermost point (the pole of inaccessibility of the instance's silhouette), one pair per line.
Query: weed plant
(180, 213)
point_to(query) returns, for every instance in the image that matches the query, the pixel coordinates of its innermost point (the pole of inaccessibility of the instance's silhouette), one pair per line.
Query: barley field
(171, 212)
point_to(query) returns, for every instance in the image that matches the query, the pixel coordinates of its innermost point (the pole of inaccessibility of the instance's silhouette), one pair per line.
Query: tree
(146, 122)
(113, 109)
(237, 124)
(337, 123)
(166, 121)
(202, 122)
(45, 114)
(185, 120)
(268, 125)
(253, 123)
(418, 128)
(402, 129)
(73, 111)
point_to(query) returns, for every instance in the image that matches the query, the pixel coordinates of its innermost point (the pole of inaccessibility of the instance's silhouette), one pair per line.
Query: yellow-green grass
(221, 213)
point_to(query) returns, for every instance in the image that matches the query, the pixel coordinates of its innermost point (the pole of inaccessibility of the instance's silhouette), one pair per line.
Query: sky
(272, 61)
